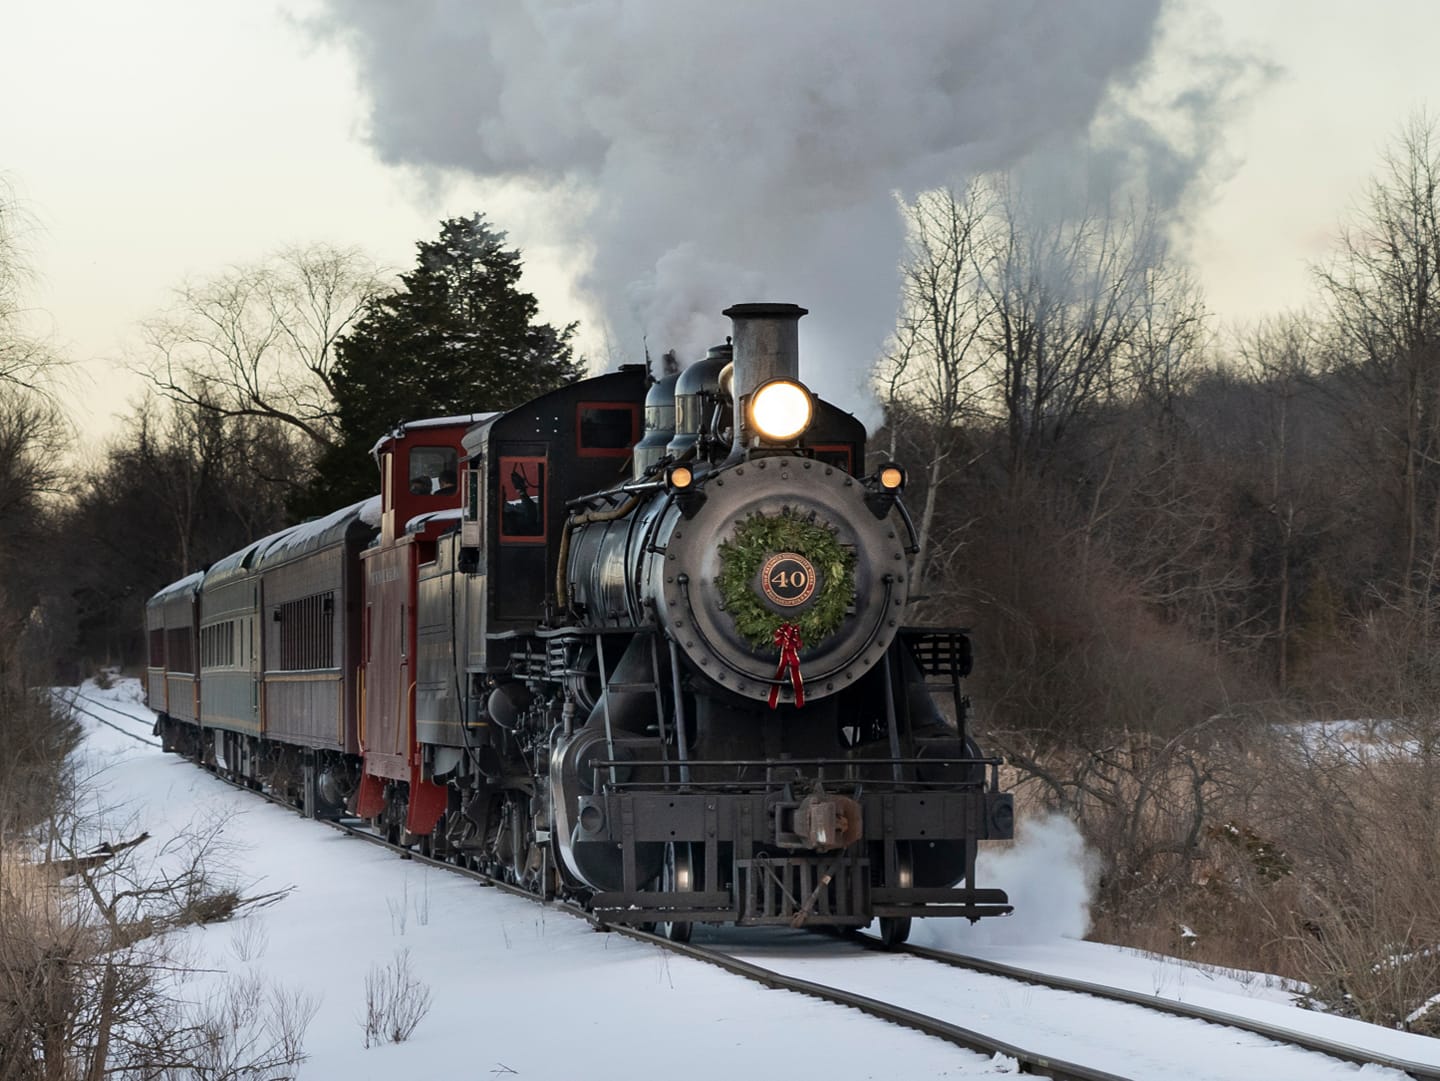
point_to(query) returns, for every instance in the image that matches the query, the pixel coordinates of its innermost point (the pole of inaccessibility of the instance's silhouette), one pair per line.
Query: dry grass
(90, 986)
(396, 1001)
(1317, 863)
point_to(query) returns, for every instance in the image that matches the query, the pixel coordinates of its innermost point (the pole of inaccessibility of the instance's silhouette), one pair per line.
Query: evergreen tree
(459, 336)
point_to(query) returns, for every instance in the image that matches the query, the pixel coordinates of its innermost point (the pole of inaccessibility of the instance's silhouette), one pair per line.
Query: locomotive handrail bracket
(866, 772)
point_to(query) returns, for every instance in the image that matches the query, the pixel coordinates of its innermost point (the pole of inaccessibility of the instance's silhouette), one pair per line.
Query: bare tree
(259, 341)
(1281, 357)
(89, 982)
(928, 376)
(32, 440)
(1383, 293)
(1069, 290)
(25, 362)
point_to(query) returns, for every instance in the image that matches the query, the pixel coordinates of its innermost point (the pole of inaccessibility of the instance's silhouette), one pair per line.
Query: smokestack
(767, 346)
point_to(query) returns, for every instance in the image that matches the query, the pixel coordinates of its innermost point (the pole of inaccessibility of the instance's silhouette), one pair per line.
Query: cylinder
(767, 346)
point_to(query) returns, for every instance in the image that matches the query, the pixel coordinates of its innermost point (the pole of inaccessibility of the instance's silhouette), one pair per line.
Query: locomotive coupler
(820, 822)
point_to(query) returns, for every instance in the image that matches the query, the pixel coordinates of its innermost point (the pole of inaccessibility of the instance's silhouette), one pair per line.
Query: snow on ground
(523, 991)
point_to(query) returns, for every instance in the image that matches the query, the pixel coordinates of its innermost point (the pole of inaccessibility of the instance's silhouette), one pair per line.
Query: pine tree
(459, 336)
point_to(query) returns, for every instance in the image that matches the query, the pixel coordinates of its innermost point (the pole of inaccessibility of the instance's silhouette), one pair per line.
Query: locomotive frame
(516, 657)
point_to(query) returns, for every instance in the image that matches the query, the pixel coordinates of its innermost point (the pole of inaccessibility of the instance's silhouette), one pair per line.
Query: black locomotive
(667, 671)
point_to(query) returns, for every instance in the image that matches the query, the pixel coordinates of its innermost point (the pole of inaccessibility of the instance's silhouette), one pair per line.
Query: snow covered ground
(519, 990)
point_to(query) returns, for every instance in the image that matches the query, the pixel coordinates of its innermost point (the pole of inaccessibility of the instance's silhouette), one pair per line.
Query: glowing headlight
(781, 410)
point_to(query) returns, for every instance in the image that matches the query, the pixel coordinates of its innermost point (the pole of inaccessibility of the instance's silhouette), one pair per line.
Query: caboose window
(433, 470)
(606, 429)
(522, 499)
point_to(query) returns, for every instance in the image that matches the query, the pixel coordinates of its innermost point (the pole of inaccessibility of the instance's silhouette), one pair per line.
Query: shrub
(396, 1001)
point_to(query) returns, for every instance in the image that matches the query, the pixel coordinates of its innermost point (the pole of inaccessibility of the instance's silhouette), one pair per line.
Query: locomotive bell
(767, 349)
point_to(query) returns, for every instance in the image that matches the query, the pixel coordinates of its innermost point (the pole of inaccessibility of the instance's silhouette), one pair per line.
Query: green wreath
(758, 538)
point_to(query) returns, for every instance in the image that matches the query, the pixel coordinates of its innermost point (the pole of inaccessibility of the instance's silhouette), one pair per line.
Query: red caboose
(421, 479)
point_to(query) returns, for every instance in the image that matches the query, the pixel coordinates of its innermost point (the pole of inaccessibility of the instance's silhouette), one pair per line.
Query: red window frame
(835, 448)
(508, 462)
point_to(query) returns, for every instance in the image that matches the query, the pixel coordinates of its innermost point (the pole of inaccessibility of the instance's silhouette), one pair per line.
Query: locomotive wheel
(432, 844)
(894, 930)
(678, 877)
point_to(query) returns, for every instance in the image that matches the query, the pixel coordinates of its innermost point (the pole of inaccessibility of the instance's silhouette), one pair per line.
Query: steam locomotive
(639, 642)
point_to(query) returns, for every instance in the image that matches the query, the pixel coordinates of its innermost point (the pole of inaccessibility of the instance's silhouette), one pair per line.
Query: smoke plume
(708, 154)
(1050, 877)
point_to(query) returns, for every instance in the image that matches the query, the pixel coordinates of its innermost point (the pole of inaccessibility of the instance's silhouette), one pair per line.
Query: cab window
(606, 429)
(433, 471)
(522, 498)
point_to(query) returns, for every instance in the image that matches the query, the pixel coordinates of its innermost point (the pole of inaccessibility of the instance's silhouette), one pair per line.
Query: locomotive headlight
(680, 478)
(780, 410)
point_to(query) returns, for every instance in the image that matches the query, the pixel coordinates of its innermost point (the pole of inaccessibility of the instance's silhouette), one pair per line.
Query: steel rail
(1421, 1071)
(73, 702)
(1030, 1062)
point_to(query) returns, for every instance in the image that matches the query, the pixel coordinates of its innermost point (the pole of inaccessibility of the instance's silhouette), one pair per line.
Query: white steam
(1050, 876)
(741, 151)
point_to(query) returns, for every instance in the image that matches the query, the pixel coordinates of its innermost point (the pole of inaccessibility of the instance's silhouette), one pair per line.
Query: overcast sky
(170, 138)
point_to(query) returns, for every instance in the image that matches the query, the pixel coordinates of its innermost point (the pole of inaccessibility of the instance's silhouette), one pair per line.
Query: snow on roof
(431, 422)
(370, 511)
(240, 562)
(319, 532)
(420, 521)
(189, 584)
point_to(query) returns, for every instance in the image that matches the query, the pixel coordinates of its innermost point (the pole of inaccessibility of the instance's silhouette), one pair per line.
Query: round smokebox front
(784, 553)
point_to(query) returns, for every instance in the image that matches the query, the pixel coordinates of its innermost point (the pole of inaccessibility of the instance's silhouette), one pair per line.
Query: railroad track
(1027, 1060)
(1421, 1071)
(74, 701)
(1030, 1062)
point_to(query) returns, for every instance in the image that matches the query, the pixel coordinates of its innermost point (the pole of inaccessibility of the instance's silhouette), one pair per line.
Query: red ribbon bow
(787, 640)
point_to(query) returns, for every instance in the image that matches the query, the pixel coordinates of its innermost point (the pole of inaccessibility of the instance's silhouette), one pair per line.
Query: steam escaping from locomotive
(704, 153)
